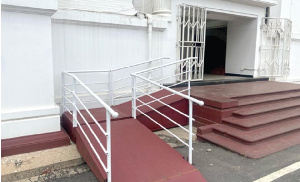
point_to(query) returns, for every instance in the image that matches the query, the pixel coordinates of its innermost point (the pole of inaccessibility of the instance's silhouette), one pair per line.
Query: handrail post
(74, 104)
(108, 147)
(110, 88)
(63, 82)
(161, 69)
(133, 103)
(190, 131)
(189, 77)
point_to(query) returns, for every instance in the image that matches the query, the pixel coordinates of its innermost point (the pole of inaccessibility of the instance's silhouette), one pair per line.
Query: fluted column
(162, 7)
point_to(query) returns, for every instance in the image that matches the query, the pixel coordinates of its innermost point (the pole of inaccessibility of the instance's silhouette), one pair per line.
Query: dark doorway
(215, 51)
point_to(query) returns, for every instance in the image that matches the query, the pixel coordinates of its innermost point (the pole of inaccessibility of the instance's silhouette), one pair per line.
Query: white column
(162, 7)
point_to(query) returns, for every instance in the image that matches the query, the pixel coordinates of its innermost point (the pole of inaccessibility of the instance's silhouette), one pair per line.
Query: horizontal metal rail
(116, 69)
(93, 118)
(201, 103)
(159, 100)
(164, 128)
(144, 104)
(164, 65)
(92, 146)
(108, 108)
(138, 64)
(91, 130)
(137, 101)
(91, 83)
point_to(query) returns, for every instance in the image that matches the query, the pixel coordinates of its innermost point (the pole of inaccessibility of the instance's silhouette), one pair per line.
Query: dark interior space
(215, 51)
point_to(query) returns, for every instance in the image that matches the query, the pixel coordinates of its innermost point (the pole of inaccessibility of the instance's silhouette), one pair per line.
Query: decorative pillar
(162, 7)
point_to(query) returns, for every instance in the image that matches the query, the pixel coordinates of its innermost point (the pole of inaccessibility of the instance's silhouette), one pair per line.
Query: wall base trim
(32, 126)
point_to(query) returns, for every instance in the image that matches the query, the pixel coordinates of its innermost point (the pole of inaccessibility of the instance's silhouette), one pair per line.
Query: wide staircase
(116, 140)
(260, 122)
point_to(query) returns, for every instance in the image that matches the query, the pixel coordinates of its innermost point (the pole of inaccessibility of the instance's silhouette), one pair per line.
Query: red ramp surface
(125, 110)
(138, 155)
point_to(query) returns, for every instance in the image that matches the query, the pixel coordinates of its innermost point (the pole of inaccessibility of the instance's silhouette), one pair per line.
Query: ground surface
(215, 163)
(219, 165)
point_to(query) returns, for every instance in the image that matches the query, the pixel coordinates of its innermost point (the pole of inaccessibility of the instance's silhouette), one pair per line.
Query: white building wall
(97, 41)
(27, 103)
(241, 46)
(295, 45)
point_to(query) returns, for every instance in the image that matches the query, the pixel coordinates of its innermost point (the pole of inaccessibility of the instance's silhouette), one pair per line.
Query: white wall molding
(124, 7)
(29, 113)
(260, 3)
(41, 7)
(296, 36)
(83, 17)
(33, 126)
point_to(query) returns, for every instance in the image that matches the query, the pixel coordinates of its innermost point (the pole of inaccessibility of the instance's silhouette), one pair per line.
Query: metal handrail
(137, 64)
(70, 90)
(116, 69)
(201, 103)
(107, 107)
(164, 65)
(109, 112)
(140, 75)
(111, 82)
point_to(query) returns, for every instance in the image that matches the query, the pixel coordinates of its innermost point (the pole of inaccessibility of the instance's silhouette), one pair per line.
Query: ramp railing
(112, 85)
(145, 86)
(77, 103)
(86, 89)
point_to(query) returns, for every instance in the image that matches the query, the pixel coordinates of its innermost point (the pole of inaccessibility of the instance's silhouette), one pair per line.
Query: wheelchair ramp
(137, 155)
(125, 110)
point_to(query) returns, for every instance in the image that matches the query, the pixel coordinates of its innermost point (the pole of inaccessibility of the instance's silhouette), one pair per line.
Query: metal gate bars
(191, 22)
(275, 47)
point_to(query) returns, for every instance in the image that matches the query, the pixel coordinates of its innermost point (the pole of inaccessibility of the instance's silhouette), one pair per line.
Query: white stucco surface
(27, 73)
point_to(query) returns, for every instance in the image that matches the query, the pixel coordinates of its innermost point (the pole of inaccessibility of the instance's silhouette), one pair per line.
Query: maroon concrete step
(261, 120)
(254, 151)
(199, 121)
(238, 90)
(34, 143)
(268, 107)
(212, 114)
(137, 155)
(267, 98)
(258, 135)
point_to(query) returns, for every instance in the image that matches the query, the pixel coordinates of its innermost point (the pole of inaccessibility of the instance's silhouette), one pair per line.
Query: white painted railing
(75, 101)
(142, 83)
(114, 83)
(113, 86)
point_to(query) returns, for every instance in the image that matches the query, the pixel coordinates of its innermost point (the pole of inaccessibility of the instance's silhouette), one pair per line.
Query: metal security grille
(191, 21)
(275, 47)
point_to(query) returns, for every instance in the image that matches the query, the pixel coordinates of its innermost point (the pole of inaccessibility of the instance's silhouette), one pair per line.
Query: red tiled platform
(33, 143)
(125, 110)
(261, 117)
(137, 155)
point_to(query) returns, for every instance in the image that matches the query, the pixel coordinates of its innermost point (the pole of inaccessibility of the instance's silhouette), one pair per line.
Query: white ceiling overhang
(260, 3)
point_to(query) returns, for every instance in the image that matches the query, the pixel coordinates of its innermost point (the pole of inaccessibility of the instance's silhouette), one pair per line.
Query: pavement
(215, 163)
(40, 164)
